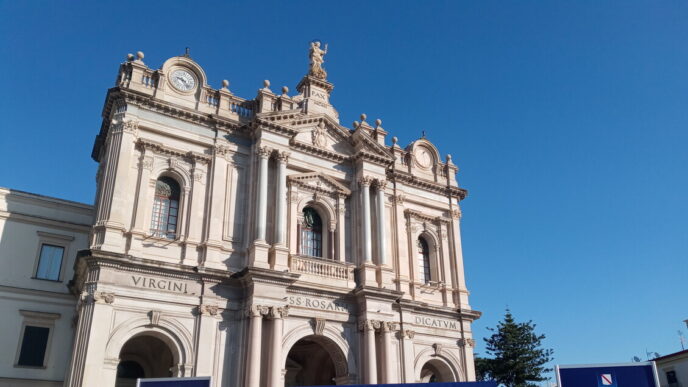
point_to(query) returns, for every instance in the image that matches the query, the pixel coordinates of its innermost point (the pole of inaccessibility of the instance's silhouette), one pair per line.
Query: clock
(182, 80)
(424, 158)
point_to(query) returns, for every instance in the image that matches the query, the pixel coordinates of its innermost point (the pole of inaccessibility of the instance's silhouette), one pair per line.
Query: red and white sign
(606, 379)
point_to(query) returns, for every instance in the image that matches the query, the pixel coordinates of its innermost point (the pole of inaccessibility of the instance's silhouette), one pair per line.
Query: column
(262, 202)
(341, 224)
(370, 354)
(387, 328)
(281, 200)
(364, 185)
(275, 378)
(205, 338)
(254, 346)
(381, 223)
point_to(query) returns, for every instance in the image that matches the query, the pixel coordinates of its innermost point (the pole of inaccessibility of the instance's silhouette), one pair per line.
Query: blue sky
(568, 121)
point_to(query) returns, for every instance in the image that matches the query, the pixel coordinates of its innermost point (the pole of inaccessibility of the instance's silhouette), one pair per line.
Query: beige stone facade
(260, 242)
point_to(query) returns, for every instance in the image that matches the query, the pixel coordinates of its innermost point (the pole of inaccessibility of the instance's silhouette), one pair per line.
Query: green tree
(517, 358)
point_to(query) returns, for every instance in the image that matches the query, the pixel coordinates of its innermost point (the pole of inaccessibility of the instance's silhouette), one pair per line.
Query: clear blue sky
(568, 120)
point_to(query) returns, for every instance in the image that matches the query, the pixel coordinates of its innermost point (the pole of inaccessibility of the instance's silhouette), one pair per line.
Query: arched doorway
(143, 356)
(436, 371)
(314, 361)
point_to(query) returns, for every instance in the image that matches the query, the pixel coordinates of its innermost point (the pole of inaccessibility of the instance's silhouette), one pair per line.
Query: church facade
(260, 242)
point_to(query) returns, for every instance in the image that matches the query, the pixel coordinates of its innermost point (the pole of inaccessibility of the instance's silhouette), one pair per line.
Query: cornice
(417, 182)
(324, 153)
(166, 150)
(149, 102)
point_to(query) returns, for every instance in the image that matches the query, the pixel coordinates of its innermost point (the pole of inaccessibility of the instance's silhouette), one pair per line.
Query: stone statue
(316, 55)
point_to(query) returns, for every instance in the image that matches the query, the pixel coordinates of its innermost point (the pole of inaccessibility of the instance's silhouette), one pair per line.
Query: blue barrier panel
(174, 382)
(447, 384)
(608, 375)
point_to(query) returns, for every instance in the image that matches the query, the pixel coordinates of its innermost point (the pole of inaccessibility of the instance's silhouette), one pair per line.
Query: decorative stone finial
(130, 57)
(378, 122)
(363, 116)
(139, 55)
(266, 84)
(448, 158)
(394, 141)
(356, 124)
(225, 83)
(285, 90)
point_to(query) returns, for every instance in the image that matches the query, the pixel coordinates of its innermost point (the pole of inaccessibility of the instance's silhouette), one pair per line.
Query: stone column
(262, 202)
(281, 200)
(254, 346)
(369, 353)
(387, 328)
(275, 377)
(408, 355)
(364, 186)
(341, 224)
(381, 222)
(205, 338)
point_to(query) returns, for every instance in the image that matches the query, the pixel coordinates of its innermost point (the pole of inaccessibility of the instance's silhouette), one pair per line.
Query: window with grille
(165, 208)
(424, 260)
(311, 233)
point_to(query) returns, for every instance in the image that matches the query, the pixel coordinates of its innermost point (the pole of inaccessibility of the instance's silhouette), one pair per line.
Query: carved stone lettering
(317, 303)
(159, 284)
(435, 322)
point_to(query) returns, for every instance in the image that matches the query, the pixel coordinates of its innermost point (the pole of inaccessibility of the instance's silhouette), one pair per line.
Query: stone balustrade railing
(321, 267)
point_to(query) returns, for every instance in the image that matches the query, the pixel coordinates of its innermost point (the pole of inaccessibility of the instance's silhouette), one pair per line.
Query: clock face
(424, 158)
(182, 80)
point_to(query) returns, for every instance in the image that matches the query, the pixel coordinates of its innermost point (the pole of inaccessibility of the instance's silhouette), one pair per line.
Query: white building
(257, 241)
(673, 369)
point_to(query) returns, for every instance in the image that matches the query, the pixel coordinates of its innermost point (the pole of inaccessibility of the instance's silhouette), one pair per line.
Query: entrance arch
(144, 356)
(436, 371)
(315, 360)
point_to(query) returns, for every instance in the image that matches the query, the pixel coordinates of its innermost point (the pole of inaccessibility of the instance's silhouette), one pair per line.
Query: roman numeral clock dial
(182, 80)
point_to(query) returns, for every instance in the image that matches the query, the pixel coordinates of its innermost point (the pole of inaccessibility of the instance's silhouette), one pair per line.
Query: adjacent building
(258, 241)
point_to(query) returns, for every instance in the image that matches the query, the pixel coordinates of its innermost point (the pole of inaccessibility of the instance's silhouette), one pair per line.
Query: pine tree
(517, 358)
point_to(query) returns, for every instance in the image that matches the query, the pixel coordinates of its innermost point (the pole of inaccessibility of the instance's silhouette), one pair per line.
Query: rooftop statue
(316, 55)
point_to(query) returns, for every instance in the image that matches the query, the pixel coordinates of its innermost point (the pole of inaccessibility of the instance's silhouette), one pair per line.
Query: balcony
(321, 267)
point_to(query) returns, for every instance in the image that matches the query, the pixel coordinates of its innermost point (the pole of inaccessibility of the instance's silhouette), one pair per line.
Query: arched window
(424, 260)
(311, 233)
(165, 208)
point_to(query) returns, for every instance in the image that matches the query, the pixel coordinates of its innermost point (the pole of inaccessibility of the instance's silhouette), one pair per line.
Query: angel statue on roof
(316, 55)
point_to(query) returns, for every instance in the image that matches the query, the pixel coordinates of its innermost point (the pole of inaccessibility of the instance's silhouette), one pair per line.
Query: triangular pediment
(365, 145)
(319, 182)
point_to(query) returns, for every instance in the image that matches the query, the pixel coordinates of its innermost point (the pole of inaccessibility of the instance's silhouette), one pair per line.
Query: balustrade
(321, 267)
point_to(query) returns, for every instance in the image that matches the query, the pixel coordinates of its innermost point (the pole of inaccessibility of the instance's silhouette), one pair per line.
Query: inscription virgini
(152, 283)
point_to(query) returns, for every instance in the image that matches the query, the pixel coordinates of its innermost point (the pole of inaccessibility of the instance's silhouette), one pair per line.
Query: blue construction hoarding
(205, 382)
(175, 382)
(608, 375)
(447, 384)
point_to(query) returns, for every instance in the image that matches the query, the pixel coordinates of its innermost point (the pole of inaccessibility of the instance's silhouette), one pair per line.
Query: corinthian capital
(279, 312)
(380, 184)
(283, 157)
(365, 181)
(264, 152)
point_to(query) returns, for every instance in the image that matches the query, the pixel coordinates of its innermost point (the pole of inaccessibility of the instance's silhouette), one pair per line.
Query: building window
(33, 346)
(311, 233)
(671, 377)
(165, 208)
(424, 260)
(50, 262)
(34, 338)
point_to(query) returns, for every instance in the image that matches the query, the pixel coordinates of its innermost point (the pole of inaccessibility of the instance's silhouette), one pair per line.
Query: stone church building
(258, 241)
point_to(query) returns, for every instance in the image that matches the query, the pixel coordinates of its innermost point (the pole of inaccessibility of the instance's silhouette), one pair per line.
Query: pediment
(365, 145)
(319, 182)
